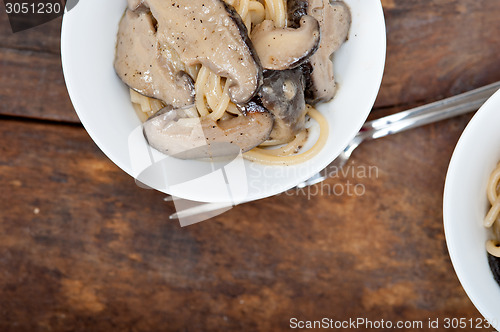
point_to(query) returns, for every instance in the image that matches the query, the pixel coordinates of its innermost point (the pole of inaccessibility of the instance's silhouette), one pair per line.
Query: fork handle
(412, 118)
(429, 113)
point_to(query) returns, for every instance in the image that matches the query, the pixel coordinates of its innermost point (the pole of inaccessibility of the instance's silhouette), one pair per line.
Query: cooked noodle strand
(212, 94)
(493, 197)
(493, 215)
(258, 155)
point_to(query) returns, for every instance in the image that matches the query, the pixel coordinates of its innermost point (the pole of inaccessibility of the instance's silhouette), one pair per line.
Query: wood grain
(439, 48)
(435, 49)
(32, 85)
(84, 249)
(44, 38)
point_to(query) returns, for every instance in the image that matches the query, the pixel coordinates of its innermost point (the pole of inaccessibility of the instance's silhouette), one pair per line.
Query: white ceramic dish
(465, 205)
(103, 104)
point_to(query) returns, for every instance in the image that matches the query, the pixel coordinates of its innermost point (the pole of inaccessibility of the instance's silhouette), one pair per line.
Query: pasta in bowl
(210, 92)
(470, 209)
(247, 72)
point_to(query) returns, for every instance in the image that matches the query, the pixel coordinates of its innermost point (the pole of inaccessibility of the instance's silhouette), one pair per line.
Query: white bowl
(103, 104)
(465, 206)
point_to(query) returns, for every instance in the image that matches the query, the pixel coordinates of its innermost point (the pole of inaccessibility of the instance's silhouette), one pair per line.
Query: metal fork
(388, 125)
(412, 118)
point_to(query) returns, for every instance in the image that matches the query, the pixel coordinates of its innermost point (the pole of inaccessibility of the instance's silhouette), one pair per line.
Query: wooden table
(82, 248)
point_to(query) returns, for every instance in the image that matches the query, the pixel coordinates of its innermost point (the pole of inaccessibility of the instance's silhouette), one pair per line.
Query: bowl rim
(461, 271)
(369, 99)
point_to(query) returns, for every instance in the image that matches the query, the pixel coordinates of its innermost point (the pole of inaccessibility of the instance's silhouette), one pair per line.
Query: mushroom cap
(211, 33)
(286, 48)
(149, 68)
(283, 95)
(171, 132)
(334, 18)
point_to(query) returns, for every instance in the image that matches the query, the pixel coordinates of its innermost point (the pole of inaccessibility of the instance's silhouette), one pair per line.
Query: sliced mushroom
(296, 9)
(173, 133)
(151, 69)
(334, 18)
(286, 48)
(283, 95)
(210, 32)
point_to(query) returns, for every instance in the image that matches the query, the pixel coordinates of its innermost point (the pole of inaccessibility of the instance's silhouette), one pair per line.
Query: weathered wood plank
(436, 49)
(83, 248)
(44, 38)
(32, 85)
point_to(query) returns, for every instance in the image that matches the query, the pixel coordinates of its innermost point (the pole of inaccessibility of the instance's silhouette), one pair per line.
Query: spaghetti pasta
(265, 157)
(211, 95)
(492, 217)
(212, 98)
